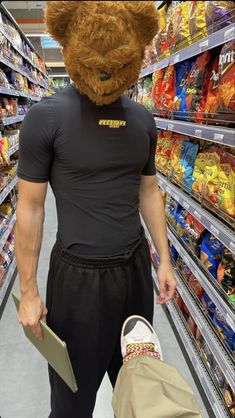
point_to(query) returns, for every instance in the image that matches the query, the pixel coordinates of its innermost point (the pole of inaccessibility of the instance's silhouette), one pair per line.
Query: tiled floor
(24, 388)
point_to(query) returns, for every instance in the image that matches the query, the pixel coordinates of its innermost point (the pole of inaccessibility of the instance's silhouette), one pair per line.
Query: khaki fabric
(149, 388)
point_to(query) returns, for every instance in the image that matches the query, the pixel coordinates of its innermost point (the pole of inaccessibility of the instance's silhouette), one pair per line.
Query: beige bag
(149, 388)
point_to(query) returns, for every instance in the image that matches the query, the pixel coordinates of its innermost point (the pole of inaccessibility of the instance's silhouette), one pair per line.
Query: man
(100, 163)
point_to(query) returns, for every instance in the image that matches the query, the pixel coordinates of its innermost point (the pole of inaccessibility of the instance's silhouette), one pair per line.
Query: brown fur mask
(103, 43)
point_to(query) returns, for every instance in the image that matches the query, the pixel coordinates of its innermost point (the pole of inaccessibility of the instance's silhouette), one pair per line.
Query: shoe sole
(148, 325)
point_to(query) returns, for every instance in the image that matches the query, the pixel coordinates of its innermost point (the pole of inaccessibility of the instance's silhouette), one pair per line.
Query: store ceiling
(30, 17)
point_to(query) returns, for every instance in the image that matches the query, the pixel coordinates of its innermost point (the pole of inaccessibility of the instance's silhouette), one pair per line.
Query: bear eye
(124, 65)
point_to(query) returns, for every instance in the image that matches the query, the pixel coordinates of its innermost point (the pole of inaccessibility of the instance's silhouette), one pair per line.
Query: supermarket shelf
(213, 342)
(12, 119)
(207, 383)
(218, 134)
(220, 303)
(7, 232)
(12, 92)
(13, 149)
(216, 227)
(7, 285)
(215, 39)
(8, 189)
(9, 64)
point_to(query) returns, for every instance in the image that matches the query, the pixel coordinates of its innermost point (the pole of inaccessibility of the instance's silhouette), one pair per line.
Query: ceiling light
(37, 35)
(59, 75)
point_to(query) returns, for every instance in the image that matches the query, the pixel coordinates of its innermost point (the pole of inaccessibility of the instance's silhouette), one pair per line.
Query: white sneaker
(137, 329)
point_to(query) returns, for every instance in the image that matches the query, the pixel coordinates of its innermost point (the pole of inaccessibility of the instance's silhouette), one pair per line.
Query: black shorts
(88, 301)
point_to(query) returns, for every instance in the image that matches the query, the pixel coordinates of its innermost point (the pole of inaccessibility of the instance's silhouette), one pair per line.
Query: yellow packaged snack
(181, 25)
(211, 176)
(226, 193)
(197, 21)
(174, 163)
(198, 173)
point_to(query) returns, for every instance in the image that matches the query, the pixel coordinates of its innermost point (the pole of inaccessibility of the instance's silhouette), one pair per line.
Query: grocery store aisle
(24, 388)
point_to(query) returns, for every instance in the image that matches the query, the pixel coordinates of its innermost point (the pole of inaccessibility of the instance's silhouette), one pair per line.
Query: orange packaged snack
(168, 89)
(226, 93)
(157, 88)
(163, 151)
(226, 178)
(174, 166)
(213, 90)
(159, 42)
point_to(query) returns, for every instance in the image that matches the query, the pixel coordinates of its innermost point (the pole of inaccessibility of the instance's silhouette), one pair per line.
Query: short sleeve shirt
(93, 156)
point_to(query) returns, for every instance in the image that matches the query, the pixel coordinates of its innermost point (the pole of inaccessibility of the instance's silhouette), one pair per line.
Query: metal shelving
(7, 189)
(220, 303)
(214, 398)
(16, 93)
(7, 284)
(9, 64)
(218, 134)
(211, 223)
(13, 149)
(12, 119)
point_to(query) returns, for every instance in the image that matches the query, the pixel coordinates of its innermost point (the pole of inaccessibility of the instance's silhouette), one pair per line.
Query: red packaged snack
(163, 151)
(226, 93)
(192, 325)
(197, 86)
(157, 88)
(195, 285)
(194, 230)
(179, 300)
(168, 88)
(213, 90)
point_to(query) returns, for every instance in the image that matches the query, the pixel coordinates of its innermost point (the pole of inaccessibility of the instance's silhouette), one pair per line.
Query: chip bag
(163, 151)
(197, 20)
(181, 25)
(197, 86)
(157, 88)
(226, 93)
(218, 14)
(181, 73)
(198, 172)
(210, 180)
(211, 253)
(159, 43)
(169, 29)
(213, 89)
(187, 161)
(226, 178)
(174, 166)
(168, 89)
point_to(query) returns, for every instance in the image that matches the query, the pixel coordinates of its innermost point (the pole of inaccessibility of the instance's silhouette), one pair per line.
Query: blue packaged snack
(209, 305)
(187, 162)
(211, 253)
(174, 253)
(181, 73)
(225, 332)
(181, 223)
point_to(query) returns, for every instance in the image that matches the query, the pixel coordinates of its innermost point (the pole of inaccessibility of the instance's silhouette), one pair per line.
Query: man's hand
(31, 310)
(167, 282)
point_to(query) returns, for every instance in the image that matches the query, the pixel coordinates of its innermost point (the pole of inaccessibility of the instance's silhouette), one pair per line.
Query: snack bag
(171, 209)
(174, 166)
(226, 93)
(211, 253)
(147, 93)
(225, 332)
(198, 173)
(218, 14)
(3, 79)
(157, 88)
(194, 231)
(195, 285)
(187, 161)
(160, 40)
(168, 88)
(226, 272)
(209, 305)
(197, 86)
(210, 181)
(226, 179)
(163, 150)
(181, 25)
(197, 20)
(169, 29)
(181, 222)
(213, 89)
(181, 73)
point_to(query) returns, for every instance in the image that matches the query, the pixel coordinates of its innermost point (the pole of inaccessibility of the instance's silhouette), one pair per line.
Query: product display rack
(216, 129)
(11, 272)
(211, 41)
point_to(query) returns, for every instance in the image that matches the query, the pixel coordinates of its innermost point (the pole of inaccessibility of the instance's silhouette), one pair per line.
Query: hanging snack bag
(160, 40)
(226, 179)
(218, 14)
(175, 167)
(169, 29)
(197, 20)
(181, 25)
(209, 305)
(181, 73)
(181, 222)
(168, 88)
(211, 253)
(198, 173)
(226, 92)
(157, 88)
(226, 272)
(225, 332)
(171, 208)
(213, 90)
(197, 86)
(210, 182)
(194, 231)
(195, 285)
(187, 161)
(163, 150)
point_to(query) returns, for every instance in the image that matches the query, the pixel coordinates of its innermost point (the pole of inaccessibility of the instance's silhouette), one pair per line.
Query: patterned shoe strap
(140, 349)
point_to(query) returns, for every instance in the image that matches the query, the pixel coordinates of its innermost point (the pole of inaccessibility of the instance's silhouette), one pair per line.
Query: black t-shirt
(93, 156)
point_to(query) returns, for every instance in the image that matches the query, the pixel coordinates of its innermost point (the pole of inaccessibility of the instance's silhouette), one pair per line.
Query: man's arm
(153, 212)
(28, 239)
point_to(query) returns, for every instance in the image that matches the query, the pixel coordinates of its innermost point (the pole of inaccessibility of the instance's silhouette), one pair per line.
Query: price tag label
(198, 133)
(232, 246)
(176, 197)
(186, 259)
(218, 137)
(185, 205)
(214, 230)
(197, 215)
(204, 45)
(229, 35)
(170, 126)
(176, 58)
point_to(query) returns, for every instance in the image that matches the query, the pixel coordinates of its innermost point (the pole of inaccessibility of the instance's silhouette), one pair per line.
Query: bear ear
(58, 15)
(145, 17)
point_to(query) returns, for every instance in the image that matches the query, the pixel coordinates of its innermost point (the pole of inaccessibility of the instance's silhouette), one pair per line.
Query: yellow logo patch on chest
(112, 123)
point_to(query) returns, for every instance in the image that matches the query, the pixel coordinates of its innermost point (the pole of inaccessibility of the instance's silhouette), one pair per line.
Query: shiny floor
(24, 388)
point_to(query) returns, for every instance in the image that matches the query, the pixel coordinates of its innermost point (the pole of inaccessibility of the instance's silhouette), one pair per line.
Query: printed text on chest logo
(112, 123)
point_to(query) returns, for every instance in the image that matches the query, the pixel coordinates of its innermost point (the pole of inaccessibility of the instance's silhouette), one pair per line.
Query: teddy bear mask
(103, 43)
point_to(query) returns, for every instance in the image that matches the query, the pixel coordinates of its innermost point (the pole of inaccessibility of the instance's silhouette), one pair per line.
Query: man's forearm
(28, 239)
(153, 212)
